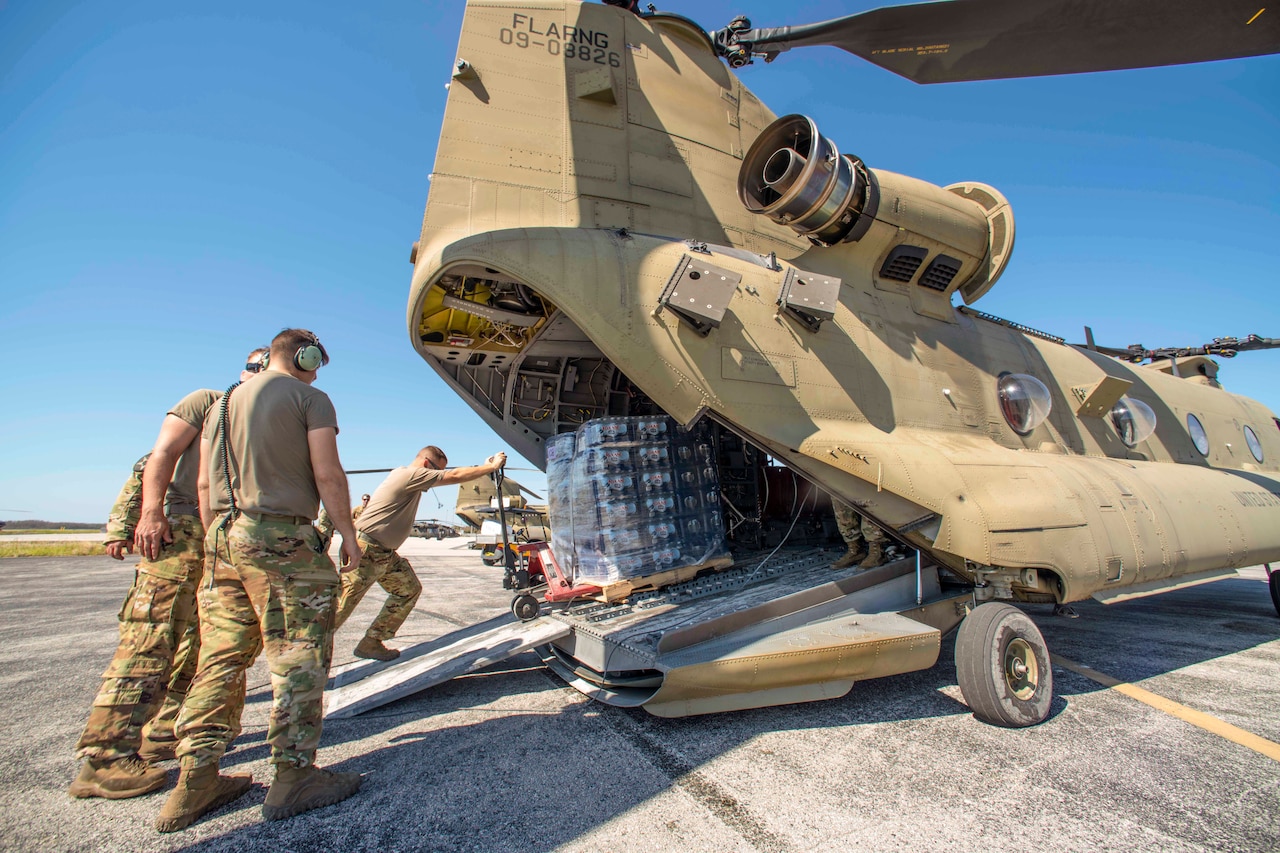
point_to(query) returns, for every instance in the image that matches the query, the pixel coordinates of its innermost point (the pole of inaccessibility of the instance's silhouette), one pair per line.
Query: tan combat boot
(875, 556)
(374, 650)
(851, 556)
(200, 790)
(118, 779)
(301, 789)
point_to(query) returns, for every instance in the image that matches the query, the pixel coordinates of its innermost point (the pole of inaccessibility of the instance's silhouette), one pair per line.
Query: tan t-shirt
(192, 408)
(388, 519)
(267, 424)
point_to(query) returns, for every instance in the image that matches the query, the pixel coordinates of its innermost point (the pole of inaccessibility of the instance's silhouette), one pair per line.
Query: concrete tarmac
(511, 759)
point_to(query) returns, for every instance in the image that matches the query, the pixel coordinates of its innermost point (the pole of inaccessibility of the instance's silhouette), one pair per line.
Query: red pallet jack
(530, 570)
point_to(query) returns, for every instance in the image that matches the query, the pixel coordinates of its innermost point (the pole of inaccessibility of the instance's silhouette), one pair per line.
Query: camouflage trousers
(854, 527)
(147, 680)
(390, 571)
(271, 588)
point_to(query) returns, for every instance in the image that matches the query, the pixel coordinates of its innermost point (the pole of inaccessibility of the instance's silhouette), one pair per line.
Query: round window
(1134, 421)
(1024, 400)
(1255, 446)
(1198, 437)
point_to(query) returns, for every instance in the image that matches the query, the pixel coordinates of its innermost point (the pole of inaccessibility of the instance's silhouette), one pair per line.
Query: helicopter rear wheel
(1002, 664)
(525, 607)
(1274, 582)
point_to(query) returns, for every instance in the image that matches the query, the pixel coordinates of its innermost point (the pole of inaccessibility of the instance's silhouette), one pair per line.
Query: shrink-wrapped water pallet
(632, 497)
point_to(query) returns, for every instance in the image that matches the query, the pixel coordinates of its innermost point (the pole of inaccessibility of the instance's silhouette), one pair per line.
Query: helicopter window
(1134, 421)
(1198, 436)
(1255, 446)
(940, 272)
(902, 263)
(1024, 401)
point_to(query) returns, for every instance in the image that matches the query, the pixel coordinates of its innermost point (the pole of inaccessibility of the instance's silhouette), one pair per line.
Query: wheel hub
(1021, 671)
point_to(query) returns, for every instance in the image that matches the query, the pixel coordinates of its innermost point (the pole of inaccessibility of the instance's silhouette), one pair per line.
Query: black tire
(526, 607)
(1002, 664)
(1274, 583)
(490, 558)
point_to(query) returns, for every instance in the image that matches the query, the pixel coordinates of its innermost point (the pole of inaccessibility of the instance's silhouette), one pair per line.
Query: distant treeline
(37, 524)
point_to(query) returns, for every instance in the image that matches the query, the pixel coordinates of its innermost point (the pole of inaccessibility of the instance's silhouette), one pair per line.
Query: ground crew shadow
(534, 779)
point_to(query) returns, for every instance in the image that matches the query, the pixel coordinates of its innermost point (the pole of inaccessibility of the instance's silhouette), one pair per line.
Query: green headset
(308, 357)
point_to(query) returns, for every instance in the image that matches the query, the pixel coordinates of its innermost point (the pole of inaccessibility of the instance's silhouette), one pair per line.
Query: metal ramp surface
(363, 687)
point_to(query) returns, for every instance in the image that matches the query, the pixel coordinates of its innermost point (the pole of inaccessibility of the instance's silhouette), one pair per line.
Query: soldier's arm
(153, 528)
(471, 472)
(331, 482)
(124, 515)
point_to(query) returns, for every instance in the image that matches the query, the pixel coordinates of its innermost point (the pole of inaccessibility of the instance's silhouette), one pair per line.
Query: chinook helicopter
(617, 226)
(477, 504)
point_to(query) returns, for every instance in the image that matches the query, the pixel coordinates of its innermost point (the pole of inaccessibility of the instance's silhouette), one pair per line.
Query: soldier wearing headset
(269, 456)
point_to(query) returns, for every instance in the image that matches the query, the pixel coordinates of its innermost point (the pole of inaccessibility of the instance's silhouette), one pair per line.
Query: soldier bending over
(381, 529)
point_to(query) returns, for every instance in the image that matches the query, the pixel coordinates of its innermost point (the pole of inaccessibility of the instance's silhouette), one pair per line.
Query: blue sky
(180, 181)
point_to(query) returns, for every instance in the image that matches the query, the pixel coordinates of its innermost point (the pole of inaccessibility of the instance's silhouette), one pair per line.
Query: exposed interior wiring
(798, 510)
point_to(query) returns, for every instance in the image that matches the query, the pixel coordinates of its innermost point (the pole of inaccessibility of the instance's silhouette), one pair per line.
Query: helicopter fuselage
(584, 219)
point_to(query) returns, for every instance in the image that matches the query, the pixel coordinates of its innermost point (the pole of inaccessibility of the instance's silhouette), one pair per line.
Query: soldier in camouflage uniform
(866, 541)
(157, 737)
(325, 524)
(145, 683)
(124, 514)
(269, 456)
(381, 529)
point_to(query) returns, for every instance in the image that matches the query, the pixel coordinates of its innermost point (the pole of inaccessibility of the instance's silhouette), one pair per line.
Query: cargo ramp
(366, 686)
(766, 631)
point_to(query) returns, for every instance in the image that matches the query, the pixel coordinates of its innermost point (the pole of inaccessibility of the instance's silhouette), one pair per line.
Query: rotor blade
(530, 492)
(1224, 347)
(991, 39)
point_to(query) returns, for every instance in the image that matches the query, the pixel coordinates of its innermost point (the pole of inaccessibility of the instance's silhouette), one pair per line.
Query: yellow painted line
(1255, 17)
(1205, 721)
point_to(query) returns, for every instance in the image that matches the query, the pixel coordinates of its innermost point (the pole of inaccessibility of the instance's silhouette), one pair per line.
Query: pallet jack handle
(508, 557)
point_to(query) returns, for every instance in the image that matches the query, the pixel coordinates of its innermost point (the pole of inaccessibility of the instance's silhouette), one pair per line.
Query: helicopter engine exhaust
(798, 178)
(782, 169)
(818, 193)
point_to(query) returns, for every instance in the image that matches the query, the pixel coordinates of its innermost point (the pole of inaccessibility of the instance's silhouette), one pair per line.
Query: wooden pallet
(620, 590)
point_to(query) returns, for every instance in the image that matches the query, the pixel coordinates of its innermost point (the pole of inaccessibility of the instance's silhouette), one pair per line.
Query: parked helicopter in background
(477, 506)
(618, 226)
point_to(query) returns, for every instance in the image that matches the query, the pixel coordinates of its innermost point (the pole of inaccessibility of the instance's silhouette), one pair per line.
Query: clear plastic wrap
(631, 497)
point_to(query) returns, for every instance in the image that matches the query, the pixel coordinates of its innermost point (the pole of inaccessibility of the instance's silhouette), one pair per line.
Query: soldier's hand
(498, 460)
(151, 535)
(349, 556)
(117, 548)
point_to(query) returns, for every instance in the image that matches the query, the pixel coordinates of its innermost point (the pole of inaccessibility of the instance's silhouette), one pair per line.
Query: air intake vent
(939, 274)
(902, 263)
